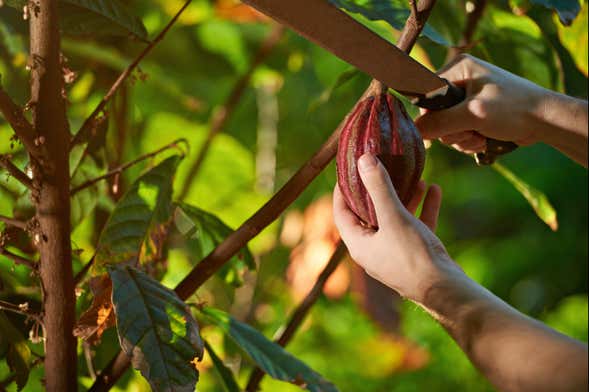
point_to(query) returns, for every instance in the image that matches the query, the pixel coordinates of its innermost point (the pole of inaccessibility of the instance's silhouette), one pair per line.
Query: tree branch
(415, 24)
(15, 117)
(300, 313)
(18, 260)
(473, 18)
(51, 196)
(125, 166)
(222, 114)
(15, 172)
(83, 133)
(268, 213)
(13, 222)
(22, 309)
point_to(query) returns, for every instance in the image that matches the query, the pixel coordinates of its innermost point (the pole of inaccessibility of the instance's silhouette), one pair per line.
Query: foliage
(136, 233)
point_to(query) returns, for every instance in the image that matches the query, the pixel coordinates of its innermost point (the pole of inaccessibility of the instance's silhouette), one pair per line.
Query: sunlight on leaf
(537, 199)
(147, 203)
(394, 13)
(269, 356)
(156, 329)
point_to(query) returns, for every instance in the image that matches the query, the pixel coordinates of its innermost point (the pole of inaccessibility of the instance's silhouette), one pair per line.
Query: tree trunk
(51, 197)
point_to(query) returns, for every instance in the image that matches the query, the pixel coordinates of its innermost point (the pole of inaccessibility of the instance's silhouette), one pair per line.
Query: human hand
(498, 105)
(403, 253)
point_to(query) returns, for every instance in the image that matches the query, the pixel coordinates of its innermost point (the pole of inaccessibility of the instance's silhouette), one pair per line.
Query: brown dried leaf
(100, 316)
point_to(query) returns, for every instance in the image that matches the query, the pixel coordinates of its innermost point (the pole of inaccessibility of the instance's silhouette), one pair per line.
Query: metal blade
(326, 25)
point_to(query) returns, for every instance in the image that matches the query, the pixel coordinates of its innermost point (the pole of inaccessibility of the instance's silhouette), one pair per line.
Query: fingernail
(367, 162)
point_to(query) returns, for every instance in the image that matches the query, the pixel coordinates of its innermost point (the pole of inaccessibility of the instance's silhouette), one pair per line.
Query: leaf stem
(20, 125)
(13, 222)
(300, 313)
(84, 133)
(127, 165)
(15, 172)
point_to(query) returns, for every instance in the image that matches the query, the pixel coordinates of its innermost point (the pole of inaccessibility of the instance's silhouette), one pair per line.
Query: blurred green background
(287, 111)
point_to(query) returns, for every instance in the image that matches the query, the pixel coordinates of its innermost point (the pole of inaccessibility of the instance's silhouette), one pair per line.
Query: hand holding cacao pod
(379, 125)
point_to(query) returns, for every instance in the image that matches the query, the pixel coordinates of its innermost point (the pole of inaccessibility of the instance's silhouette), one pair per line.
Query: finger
(437, 124)
(417, 197)
(346, 221)
(472, 146)
(380, 188)
(431, 207)
(457, 138)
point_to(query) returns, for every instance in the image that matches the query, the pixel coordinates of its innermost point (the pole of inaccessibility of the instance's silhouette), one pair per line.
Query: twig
(300, 313)
(81, 136)
(80, 275)
(127, 165)
(15, 171)
(473, 18)
(263, 217)
(222, 114)
(89, 360)
(22, 309)
(414, 10)
(21, 126)
(13, 222)
(415, 24)
(19, 260)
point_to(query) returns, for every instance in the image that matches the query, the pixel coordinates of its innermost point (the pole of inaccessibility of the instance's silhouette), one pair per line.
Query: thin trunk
(51, 197)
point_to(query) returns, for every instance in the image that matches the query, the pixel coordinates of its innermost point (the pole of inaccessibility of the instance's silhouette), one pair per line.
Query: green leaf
(537, 199)
(394, 13)
(567, 9)
(156, 328)
(96, 17)
(224, 371)
(146, 203)
(204, 232)
(269, 356)
(18, 354)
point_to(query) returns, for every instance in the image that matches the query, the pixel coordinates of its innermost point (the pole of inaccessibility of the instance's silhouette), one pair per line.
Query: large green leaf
(157, 330)
(567, 9)
(96, 17)
(18, 353)
(394, 13)
(146, 203)
(225, 373)
(204, 232)
(537, 199)
(269, 356)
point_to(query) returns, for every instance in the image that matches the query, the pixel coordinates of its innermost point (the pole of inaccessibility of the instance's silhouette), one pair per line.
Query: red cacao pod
(379, 125)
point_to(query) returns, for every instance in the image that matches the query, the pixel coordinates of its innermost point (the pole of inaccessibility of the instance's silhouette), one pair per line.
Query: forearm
(513, 351)
(561, 122)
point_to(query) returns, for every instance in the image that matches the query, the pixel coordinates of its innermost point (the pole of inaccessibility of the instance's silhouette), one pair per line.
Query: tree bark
(51, 196)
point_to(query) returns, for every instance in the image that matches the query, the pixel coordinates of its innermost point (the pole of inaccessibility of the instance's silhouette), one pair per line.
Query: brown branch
(15, 117)
(15, 172)
(300, 313)
(22, 309)
(472, 22)
(268, 213)
(82, 134)
(415, 24)
(80, 275)
(222, 114)
(18, 260)
(125, 166)
(13, 222)
(51, 196)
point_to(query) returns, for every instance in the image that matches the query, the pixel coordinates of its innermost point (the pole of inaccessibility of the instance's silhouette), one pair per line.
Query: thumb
(387, 205)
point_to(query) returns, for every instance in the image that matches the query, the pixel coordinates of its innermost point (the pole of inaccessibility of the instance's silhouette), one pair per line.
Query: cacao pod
(379, 125)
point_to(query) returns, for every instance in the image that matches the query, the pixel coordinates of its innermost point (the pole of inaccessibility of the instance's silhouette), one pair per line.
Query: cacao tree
(158, 176)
